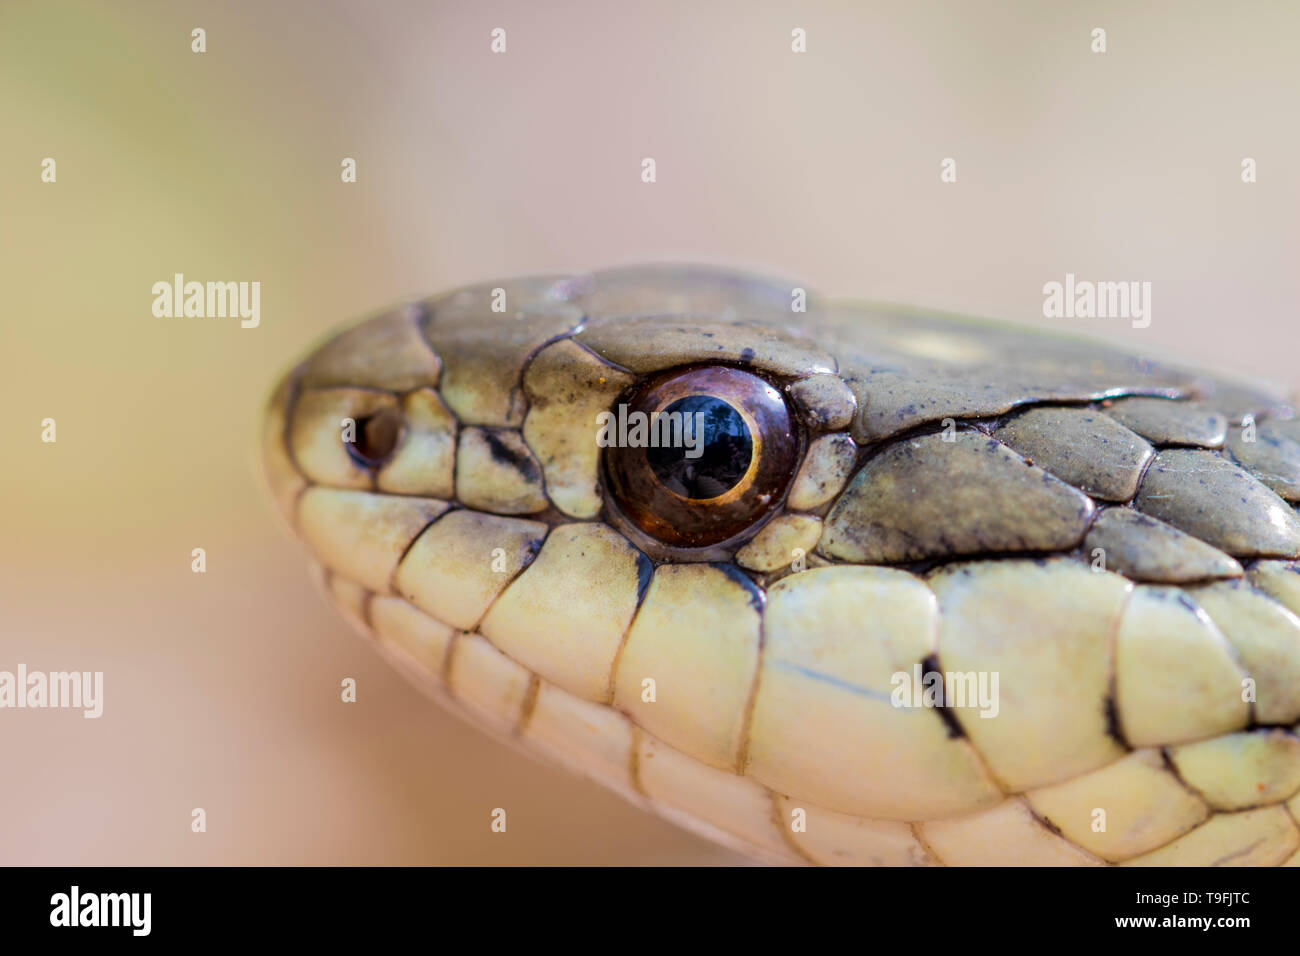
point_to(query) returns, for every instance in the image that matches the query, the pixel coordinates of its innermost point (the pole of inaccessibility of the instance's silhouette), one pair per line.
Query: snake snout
(282, 476)
(362, 412)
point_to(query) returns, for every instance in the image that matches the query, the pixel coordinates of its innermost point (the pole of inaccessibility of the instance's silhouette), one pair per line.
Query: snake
(826, 582)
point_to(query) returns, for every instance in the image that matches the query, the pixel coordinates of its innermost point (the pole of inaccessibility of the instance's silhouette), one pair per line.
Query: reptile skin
(1107, 543)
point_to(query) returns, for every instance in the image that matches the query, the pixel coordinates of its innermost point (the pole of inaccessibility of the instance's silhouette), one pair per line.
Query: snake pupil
(714, 454)
(376, 438)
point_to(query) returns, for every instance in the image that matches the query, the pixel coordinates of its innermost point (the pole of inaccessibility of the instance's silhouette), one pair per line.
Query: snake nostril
(376, 437)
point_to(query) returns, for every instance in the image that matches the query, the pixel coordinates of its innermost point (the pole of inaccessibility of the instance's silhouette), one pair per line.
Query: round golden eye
(695, 457)
(376, 437)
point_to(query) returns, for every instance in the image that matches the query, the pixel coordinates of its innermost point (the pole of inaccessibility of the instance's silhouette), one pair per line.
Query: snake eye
(696, 457)
(376, 437)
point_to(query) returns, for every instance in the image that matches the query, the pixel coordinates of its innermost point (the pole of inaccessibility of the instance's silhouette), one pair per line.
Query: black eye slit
(376, 437)
(715, 454)
(700, 455)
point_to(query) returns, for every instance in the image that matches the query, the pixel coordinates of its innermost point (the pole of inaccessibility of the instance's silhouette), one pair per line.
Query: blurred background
(222, 689)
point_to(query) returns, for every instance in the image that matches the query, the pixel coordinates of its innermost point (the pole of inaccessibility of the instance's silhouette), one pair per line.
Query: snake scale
(917, 589)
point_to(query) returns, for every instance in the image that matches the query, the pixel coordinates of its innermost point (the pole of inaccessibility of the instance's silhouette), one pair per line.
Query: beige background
(222, 689)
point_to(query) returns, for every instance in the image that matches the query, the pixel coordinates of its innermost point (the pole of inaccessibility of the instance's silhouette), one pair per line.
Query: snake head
(684, 529)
